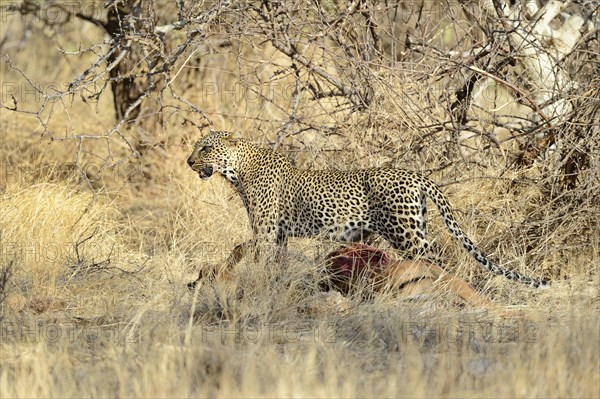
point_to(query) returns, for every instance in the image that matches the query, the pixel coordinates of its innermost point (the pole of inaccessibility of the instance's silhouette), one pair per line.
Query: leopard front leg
(269, 240)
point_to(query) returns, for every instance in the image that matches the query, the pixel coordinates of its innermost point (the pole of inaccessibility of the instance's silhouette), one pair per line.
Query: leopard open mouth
(206, 172)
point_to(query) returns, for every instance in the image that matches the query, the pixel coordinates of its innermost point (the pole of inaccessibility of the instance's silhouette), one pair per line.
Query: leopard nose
(190, 162)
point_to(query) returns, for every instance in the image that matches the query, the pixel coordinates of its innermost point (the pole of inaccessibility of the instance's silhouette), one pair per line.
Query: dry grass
(96, 304)
(129, 327)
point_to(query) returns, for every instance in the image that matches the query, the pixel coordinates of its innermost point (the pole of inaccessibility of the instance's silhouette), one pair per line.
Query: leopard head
(216, 152)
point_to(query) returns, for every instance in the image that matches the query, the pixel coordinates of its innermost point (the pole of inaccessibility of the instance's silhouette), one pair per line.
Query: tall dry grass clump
(48, 229)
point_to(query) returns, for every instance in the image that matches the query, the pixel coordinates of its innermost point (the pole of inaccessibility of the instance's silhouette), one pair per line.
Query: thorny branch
(343, 63)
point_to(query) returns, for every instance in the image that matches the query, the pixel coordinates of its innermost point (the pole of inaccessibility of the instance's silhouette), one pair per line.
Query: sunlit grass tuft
(45, 225)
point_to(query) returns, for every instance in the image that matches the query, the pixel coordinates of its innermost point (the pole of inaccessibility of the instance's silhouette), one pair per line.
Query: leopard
(284, 202)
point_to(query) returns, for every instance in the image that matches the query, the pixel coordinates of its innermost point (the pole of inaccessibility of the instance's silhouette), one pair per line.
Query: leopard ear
(235, 136)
